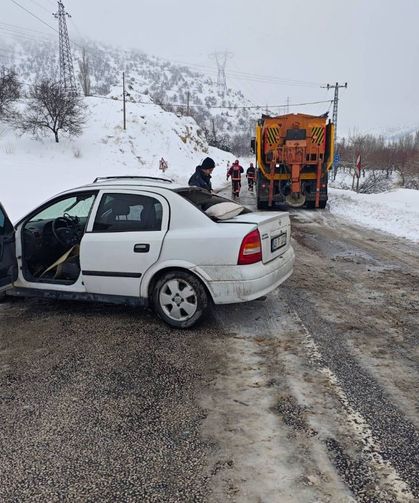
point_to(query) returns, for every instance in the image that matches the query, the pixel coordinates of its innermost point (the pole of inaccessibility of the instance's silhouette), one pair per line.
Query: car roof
(128, 181)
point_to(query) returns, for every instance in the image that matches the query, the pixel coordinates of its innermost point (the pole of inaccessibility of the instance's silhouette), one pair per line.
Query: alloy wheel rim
(178, 300)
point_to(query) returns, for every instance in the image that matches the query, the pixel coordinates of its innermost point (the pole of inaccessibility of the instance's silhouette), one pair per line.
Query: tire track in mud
(361, 473)
(387, 433)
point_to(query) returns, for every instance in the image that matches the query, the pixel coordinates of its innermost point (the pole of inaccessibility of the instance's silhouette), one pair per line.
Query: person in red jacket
(235, 172)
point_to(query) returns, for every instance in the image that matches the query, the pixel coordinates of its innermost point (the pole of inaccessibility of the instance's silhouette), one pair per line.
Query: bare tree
(406, 159)
(84, 73)
(51, 108)
(9, 91)
(380, 158)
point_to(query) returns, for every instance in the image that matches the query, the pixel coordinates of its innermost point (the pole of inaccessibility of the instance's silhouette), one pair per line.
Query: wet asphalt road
(104, 403)
(99, 404)
(373, 286)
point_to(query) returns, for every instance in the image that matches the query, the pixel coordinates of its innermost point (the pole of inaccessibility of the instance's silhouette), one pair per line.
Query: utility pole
(67, 78)
(288, 104)
(123, 100)
(335, 117)
(221, 60)
(213, 133)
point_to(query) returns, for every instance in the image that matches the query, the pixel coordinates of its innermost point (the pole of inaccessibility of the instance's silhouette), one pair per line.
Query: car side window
(127, 213)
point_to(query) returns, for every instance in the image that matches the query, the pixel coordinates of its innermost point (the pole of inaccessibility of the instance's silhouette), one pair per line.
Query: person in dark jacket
(251, 175)
(202, 176)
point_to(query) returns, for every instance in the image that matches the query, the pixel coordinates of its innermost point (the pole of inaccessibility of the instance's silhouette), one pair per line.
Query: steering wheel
(66, 230)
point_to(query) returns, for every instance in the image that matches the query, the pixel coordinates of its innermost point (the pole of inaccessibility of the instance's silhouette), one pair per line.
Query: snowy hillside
(167, 84)
(396, 132)
(37, 169)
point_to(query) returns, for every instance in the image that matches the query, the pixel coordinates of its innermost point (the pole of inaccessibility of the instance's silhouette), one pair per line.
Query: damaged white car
(145, 241)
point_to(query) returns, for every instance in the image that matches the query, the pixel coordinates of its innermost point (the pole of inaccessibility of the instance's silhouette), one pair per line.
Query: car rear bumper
(230, 284)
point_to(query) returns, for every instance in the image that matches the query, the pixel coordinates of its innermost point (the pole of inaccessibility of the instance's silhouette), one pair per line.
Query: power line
(254, 76)
(40, 5)
(22, 28)
(34, 15)
(275, 106)
(261, 107)
(41, 20)
(23, 35)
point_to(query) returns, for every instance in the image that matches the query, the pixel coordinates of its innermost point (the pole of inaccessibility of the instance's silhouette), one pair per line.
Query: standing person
(228, 167)
(235, 172)
(251, 176)
(202, 176)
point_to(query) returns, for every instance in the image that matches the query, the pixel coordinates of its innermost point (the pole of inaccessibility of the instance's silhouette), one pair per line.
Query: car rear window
(204, 199)
(128, 213)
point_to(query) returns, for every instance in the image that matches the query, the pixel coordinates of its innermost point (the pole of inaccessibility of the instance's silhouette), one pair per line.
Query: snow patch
(34, 170)
(395, 211)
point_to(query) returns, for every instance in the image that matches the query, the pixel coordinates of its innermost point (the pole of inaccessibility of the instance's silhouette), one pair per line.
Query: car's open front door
(8, 262)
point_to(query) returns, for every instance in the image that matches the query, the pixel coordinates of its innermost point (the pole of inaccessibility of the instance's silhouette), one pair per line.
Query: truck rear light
(250, 249)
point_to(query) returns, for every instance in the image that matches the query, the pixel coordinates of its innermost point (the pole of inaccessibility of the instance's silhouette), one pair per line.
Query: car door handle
(141, 248)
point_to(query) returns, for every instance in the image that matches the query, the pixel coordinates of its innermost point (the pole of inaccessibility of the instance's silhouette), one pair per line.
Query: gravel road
(308, 395)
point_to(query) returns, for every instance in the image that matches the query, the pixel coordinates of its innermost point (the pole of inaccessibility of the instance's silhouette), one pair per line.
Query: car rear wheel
(180, 299)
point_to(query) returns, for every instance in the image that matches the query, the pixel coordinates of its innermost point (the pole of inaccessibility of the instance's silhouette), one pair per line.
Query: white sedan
(145, 241)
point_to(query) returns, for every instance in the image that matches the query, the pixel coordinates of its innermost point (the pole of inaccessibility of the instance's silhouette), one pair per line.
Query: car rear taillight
(250, 249)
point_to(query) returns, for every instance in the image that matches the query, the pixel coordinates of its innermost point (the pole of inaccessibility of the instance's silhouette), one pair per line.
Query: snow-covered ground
(34, 170)
(395, 211)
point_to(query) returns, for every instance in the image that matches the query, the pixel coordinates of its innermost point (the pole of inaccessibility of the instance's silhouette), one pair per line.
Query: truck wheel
(262, 205)
(322, 205)
(180, 299)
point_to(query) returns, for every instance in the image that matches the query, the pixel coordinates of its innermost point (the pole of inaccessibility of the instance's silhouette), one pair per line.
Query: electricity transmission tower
(221, 60)
(335, 117)
(67, 78)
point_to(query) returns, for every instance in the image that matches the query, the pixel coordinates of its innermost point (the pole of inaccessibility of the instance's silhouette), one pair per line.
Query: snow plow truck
(294, 153)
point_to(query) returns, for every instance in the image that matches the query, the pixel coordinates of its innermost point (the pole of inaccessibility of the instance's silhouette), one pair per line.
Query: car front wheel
(180, 299)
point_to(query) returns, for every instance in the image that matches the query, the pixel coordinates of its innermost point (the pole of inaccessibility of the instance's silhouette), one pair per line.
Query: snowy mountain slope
(33, 170)
(395, 133)
(166, 83)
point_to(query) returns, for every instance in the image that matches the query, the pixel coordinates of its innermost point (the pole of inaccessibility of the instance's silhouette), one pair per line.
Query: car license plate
(278, 242)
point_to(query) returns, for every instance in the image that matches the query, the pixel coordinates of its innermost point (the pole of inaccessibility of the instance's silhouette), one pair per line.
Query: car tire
(180, 299)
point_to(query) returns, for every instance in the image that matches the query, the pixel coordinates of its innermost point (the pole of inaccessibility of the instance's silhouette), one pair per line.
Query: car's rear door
(8, 262)
(123, 239)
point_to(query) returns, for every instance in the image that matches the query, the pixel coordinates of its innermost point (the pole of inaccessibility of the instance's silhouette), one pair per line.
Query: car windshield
(77, 205)
(204, 199)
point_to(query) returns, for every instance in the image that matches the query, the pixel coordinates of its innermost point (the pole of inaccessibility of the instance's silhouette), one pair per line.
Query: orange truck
(294, 153)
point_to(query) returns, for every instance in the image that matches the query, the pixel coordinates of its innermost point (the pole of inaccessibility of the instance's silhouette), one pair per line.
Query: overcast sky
(371, 44)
